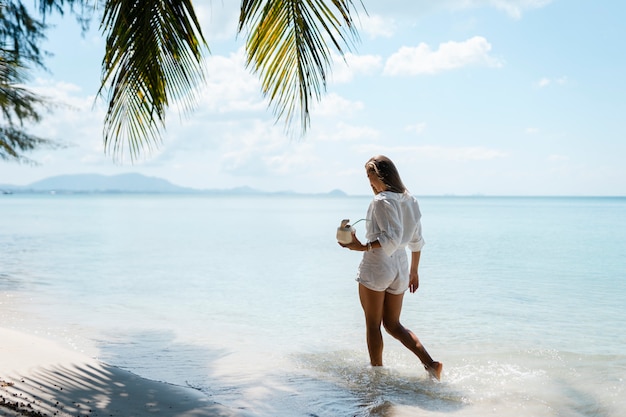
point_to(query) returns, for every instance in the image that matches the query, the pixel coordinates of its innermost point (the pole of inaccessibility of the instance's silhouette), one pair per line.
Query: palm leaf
(14, 142)
(16, 103)
(153, 57)
(288, 45)
(18, 107)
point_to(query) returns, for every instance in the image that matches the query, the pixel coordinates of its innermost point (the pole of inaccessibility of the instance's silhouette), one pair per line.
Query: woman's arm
(414, 279)
(358, 246)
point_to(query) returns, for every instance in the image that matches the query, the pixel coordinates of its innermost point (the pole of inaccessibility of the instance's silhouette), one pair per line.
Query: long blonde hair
(387, 172)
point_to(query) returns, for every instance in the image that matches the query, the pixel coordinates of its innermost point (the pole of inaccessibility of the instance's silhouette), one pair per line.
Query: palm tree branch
(14, 142)
(288, 45)
(153, 57)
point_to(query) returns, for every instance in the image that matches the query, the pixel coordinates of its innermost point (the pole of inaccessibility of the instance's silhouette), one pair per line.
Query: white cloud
(343, 132)
(246, 150)
(344, 69)
(75, 119)
(545, 81)
(334, 105)
(293, 160)
(450, 55)
(531, 130)
(515, 8)
(376, 26)
(262, 152)
(230, 87)
(416, 128)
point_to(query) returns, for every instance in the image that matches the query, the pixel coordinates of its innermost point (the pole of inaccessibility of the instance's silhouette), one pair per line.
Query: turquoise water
(251, 300)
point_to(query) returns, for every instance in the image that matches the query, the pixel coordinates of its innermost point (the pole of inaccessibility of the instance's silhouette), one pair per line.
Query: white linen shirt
(394, 220)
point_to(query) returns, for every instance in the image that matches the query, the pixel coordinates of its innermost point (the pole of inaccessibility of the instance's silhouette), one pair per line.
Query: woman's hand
(414, 281)
(355, 244)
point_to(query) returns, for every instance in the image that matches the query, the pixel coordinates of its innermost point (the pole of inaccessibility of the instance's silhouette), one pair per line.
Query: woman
(384, 275)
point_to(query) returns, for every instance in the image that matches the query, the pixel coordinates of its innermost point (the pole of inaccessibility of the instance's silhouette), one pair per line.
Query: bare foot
(435, 370)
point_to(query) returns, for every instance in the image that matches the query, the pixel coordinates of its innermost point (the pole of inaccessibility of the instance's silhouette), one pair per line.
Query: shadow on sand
(95, 389)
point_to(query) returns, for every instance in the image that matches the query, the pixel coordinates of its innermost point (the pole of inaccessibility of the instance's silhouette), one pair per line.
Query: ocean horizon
(135, 183)
(251, 300)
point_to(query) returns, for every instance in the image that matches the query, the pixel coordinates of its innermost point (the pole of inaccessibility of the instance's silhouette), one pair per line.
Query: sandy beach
(40, 378)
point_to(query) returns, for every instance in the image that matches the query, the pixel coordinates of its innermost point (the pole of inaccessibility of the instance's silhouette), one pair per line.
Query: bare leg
(372, 303)
(391, 320)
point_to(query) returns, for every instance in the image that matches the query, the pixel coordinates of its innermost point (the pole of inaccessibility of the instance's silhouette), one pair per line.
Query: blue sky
(494, 97)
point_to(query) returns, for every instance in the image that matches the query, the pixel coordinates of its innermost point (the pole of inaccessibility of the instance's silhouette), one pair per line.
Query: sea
(250, 300)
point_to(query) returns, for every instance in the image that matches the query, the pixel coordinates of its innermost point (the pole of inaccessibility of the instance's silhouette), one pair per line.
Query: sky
(467, 97)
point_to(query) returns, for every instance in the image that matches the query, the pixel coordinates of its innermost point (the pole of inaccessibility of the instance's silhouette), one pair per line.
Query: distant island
(130, 183)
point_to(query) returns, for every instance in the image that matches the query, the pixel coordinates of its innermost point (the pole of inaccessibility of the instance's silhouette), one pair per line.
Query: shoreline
(40, 378)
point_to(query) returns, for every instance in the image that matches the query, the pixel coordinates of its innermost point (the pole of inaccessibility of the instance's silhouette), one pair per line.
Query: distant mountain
(130, 183)
(123, 183)
(337, 193)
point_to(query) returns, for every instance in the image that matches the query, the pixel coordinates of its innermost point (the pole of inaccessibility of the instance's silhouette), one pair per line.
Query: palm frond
(18, 105)
(288, 45)
(14, 142)
(153, 57)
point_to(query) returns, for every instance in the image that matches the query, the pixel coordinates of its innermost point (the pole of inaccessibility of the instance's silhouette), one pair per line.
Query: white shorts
(380, 272)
